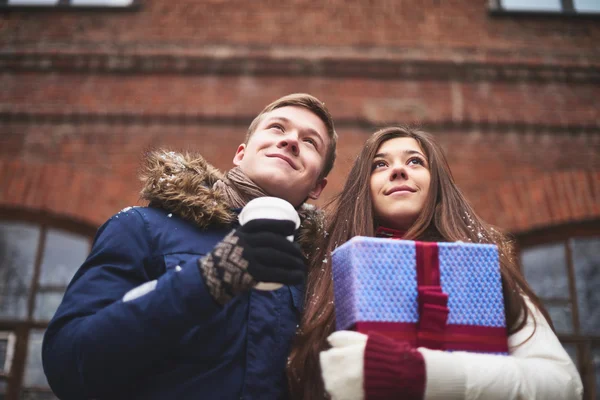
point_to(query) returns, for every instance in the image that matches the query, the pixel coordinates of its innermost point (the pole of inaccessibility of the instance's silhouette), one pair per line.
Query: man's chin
(280, 182)
(277, 190)
(273, 185)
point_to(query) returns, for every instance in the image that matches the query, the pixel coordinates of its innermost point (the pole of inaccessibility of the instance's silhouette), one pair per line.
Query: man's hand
(256, 252)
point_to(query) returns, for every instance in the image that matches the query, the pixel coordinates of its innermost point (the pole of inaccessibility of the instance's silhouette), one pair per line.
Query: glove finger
(280, 227)
(332, 358)
(270, 257)
(347, 338)
(268, 240)
(277, 275)
(343, 355)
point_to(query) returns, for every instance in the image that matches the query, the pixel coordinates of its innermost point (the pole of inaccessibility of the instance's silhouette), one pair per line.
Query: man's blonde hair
(313, 105)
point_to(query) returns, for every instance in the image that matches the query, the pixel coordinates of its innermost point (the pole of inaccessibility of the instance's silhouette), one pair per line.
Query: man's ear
(239, 154)
(316, 191)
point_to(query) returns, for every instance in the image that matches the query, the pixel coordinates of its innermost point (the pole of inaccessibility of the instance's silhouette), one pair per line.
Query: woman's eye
(378, 164)
(416, 160)
(277, 126)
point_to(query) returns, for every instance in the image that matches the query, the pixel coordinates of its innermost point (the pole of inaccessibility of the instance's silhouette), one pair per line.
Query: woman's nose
(398, 172)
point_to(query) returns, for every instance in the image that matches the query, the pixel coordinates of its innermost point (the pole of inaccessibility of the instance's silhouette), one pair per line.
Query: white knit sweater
(537, 368)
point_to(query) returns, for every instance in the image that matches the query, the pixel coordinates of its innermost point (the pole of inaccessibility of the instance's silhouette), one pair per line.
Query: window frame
(497, 9)
(583, 343)
(65, 5)
(21, 328)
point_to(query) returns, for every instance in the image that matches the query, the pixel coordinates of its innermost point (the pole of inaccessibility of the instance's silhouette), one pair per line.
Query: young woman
(401, 186)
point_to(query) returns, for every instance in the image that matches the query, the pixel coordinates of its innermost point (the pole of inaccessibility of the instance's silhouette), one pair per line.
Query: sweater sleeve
(538, 368)
(98, 341)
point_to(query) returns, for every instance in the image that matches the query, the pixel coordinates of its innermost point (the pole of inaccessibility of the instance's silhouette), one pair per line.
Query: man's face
(286, 154)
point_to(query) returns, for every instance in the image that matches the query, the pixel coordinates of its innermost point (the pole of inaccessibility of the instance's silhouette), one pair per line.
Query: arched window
(39, 255)
(562, 265)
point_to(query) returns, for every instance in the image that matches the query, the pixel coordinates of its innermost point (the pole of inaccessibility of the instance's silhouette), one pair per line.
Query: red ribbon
(433, 303)
(456, 337)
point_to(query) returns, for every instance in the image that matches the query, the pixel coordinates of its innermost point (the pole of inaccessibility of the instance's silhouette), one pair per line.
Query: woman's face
(399, 182)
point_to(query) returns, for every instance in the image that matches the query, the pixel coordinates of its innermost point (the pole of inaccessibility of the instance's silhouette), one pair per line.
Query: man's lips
(284, 158)
(403, 188)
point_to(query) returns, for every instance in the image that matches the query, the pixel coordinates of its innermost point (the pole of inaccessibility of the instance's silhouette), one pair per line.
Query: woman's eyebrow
(384, 155)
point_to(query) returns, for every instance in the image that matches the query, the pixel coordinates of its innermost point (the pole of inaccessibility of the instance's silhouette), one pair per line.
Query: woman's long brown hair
(446, 217)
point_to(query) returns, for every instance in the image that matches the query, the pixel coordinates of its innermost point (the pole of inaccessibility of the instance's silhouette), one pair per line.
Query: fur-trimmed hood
(184, 185)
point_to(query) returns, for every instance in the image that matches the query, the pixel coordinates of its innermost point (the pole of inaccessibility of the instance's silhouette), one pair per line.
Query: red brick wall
(512, 100)
(423, 24)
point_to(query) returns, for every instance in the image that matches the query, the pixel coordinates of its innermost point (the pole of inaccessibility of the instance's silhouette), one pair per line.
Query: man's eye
(276, 126)
(311, 141)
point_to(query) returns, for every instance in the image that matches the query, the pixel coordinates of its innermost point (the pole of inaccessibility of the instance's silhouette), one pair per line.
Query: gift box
(444, 296)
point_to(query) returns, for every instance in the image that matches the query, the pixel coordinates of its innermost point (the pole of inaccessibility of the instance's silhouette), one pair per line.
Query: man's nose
(290, 141)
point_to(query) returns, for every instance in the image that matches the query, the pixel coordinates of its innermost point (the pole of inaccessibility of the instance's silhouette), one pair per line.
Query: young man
(164, 305)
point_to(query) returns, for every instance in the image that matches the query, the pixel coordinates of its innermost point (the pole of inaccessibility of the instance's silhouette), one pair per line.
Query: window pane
(32, 2)
(7, 349)
(583, 6)
(532, 5)
(46, 304)
(102, 3)
(34, 373)
(34, 394)
(561, 317)
(586, 261)
(64, 252)
(545, 269)
(18, 246)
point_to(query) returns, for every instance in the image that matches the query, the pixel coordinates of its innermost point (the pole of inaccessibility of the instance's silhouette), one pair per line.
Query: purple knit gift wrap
(375, 287)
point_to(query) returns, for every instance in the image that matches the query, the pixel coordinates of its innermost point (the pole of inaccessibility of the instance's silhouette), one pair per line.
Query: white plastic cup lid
(269, 208)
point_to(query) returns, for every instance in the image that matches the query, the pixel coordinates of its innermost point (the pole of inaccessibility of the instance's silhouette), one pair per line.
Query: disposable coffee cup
(269, 208)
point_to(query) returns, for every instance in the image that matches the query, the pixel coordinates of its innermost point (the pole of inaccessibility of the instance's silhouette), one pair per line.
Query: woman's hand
(342, 366)
(372, 367)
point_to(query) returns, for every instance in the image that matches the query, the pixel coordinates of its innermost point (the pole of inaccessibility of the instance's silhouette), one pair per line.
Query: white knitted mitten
(342, 366)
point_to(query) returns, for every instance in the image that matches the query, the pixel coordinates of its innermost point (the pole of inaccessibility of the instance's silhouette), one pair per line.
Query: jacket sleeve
(538, 368)
(97, 343)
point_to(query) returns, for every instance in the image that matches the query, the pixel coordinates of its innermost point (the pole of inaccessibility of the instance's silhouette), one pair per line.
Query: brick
(538, 206)
(31, 175)
(14, 190)
(578, 194)
(595, 189)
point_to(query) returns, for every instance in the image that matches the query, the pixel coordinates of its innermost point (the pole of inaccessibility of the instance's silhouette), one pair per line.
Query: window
(563, 268)
(38, 257)
(558, 7)
(69, 4)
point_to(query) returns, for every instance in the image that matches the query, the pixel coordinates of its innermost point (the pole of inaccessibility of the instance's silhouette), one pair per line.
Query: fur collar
(183, 184)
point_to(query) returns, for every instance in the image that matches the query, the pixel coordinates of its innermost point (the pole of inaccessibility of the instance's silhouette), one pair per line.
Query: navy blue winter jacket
(174, 341)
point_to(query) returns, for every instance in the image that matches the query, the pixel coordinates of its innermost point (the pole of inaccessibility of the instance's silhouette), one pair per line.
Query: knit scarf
(239, 189)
